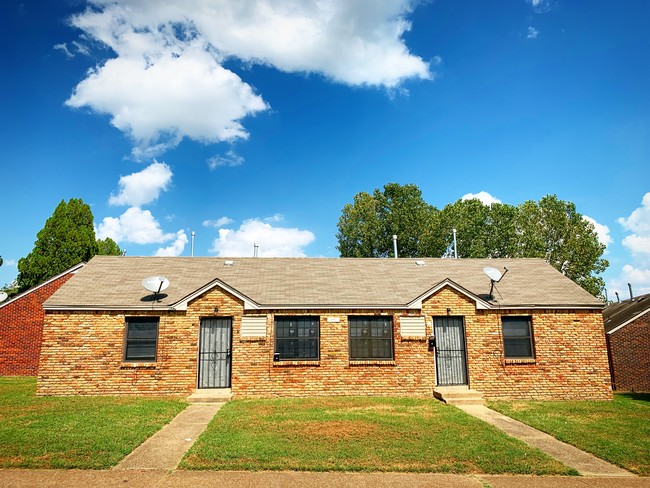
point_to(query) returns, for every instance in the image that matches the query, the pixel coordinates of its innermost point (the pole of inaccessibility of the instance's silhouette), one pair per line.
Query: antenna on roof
(3, 296)
(155, 284)
(495, 276)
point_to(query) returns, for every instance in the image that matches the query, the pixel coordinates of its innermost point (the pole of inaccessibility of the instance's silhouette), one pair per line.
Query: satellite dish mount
(495, 276)
(155, 284)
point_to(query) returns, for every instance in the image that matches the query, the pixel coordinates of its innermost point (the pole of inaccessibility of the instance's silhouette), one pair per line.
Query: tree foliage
(550, 229)
(108, 247)
(367, 226)
(67, 238)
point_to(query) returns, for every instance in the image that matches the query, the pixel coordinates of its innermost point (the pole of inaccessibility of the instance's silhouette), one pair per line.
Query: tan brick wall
(630, 355)
(570, 352)
(256, 374)
(82, 354)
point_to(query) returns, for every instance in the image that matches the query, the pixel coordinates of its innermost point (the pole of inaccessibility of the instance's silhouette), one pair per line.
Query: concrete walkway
(73, 478)
(165, 449)
(586, 464)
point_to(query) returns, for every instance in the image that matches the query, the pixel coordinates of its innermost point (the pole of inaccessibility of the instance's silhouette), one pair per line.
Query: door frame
(465, 364)
(198, 355)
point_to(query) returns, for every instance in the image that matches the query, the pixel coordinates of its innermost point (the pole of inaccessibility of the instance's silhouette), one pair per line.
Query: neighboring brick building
(627, 325)
(319, 326)
(21, 326)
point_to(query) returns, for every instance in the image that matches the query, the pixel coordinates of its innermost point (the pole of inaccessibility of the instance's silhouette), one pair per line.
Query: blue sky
(257, 121)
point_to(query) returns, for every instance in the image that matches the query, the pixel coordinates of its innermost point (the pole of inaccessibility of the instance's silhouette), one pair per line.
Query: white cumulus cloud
(135, 225)
(639, 220)
(230, 159)
(272, 241)
(175, 248)
(637, 242)
(602, 231)
(541, 6)
(220, 222)
(167, 81)
(144, 186)
(189, 95)
(483, 196)
(532, 33)
(638, 223)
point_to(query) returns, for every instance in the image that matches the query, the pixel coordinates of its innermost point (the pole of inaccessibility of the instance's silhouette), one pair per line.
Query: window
(371, 338)
(141, 338)
(296, 338)
(517, 337)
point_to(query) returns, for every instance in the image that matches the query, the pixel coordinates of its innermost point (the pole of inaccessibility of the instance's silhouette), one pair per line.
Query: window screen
(297, 337)
(141, 338)
(371, 338)
(517, 337)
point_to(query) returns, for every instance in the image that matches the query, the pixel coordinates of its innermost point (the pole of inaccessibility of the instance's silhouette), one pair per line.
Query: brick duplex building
(627, 325)
(271, 327)
(21, 326)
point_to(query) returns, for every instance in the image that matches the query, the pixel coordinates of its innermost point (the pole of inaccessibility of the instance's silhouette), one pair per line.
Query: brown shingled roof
(621, 313)
(115, 282)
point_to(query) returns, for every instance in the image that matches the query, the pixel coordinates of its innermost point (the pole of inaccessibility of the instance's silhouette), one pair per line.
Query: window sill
(413, 338)
(521, 360)
(373, 362)
(127, 365)
(295, 364)
(253, 339)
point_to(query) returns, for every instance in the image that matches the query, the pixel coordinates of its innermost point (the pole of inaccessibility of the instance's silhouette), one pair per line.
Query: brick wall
(21, 330)
(82, 354)
(630, 355)
(256, 374)
(570, 352)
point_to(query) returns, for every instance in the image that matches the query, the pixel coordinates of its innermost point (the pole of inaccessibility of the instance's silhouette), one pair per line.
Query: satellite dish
(155, 284)
(3, 296)
(492, 273)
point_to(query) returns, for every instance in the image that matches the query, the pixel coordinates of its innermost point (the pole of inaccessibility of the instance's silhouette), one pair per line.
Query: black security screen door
(215, 342)
(451, 360)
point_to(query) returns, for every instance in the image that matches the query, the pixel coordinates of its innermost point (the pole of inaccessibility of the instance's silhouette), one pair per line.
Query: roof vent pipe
(630, 288)
(395, 245)
(193, 234)
(618, 299)
(255, 249)
(455, 250)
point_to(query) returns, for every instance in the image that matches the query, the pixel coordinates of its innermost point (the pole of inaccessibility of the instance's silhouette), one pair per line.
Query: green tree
(366, 227)
(67, 238)
(553, 230)
(108, 247)
(550, 229)
(483, 231)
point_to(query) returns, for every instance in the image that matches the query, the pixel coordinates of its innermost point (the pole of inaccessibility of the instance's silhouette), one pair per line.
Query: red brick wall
(21, 330)
(82, 354)
(630, 355)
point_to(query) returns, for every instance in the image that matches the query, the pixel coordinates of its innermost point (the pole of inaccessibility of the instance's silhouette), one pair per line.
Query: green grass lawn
(360, 434)
(74, 432)
(617, 431)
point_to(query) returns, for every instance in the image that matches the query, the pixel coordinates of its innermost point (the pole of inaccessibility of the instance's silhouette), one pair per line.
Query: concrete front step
(458, 395)
(210, 395)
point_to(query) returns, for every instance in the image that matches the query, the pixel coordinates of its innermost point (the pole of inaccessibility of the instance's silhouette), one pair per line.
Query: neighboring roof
(46, 282)
(620, 314)
(114, 282)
